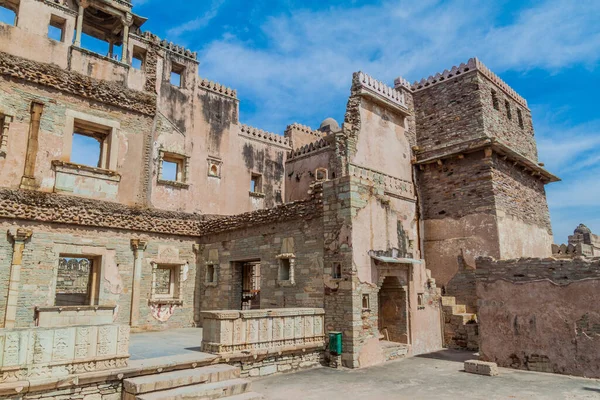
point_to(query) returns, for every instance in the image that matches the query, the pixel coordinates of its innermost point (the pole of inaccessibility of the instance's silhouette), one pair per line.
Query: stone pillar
(79, 24)
(28, 179)
(138, 246)
(126, 24)
(20, 236)
(4, 134)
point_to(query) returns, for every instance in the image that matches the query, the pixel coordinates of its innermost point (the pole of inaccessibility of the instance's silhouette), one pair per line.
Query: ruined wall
(112, 248)
(55, 143)
(301, 167)
(301, 135)
(561, 308)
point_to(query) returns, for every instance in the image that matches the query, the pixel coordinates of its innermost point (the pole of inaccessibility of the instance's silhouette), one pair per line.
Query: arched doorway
(393, 311)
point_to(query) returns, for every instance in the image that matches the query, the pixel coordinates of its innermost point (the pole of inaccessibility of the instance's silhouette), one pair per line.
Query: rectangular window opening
(170, 170)
(90, 145)
(56, 28)
(336, 271)
(495, 102)
(177, 72)
(167, 281)
(173, 168)
(255, 183)
(365, 302)
(138, 57)
(210, 273)
(8, 13)
(508, 111)
(285, 267)
(77, 281)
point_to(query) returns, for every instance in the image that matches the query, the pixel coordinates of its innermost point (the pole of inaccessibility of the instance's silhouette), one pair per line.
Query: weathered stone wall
(113, 249)
(300, 171)
(458, 205)
(264, 243)
(284, 363)
(540, 314)
(449, 113)
(497, 123)
(96, 391)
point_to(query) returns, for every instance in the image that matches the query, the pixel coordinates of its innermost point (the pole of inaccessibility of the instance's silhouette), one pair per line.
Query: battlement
(472, 65)
(400, 82)
(308, 149)
(167, 45)
(302, 128)
(379, 88)
(217, 88)
(259, 134)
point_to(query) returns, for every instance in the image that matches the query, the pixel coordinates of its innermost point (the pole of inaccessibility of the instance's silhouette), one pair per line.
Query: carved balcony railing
(259, 331)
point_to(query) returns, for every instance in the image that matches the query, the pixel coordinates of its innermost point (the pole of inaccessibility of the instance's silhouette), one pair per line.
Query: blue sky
(292, 61)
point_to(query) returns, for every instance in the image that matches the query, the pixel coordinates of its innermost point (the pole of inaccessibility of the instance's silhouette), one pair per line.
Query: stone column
(138, 246)
(126, 24)
(4, 134)
(28, 179)
(79, 24)
(20, 236)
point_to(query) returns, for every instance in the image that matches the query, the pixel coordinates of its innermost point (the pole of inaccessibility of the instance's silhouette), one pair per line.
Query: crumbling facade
(178, 210)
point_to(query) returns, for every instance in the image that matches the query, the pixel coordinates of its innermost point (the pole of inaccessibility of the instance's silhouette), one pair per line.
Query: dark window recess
(520, 118)
(495, 102)
(284, 269)
(508, 111)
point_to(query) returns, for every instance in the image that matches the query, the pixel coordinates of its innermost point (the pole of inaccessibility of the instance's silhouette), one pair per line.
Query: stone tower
(480, 185)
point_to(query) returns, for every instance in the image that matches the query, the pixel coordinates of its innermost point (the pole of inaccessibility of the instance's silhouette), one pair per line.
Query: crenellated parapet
(263, 136)
(167, 45)
(217, 88)
(472, 65)
(401, 83)
(309, 149)
(372, 86)
(303, 129)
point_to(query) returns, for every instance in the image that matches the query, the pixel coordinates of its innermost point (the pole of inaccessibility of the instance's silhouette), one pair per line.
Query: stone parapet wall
(55, 317)
(278, 363)
(76, 84)
(262, 331)
(559, 271)
(44, 353)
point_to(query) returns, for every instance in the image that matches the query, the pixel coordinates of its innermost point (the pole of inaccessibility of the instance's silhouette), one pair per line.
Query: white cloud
(196, 23)
(304, 68)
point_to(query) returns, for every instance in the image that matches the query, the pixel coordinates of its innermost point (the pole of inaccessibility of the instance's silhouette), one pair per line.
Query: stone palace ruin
(419, 222)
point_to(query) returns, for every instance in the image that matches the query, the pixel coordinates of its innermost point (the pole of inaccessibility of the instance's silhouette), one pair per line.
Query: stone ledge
(176, 184)
(481, 367)
(86, 170)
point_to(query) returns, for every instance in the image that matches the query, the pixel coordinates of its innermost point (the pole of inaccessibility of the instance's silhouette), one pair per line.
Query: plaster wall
(300, 173)
(556, 332)
(382, 144)
(55, 137)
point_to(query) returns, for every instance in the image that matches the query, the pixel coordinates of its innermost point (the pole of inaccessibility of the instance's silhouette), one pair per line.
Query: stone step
(174, 379)
(205, 391)
(455, 309)
(463, 318)
(448, 300)
(247, 396)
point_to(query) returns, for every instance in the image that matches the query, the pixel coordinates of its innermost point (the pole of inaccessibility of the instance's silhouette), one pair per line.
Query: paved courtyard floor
(435, 376)
(165, 343)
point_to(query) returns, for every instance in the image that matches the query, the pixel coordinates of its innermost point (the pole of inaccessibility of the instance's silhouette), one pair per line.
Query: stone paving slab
(170, 342)
(436, 376)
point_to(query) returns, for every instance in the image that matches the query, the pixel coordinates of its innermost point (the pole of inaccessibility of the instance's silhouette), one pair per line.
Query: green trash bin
(335, 343)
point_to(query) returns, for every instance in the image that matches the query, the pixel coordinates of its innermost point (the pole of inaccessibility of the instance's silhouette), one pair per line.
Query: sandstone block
(481, 367)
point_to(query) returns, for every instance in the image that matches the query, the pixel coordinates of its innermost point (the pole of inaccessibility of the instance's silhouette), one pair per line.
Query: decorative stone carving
(258, 330)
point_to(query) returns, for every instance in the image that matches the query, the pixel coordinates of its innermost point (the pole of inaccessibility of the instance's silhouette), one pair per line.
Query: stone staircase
(219, 381)
(393, 351)
(460, 327)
